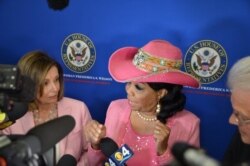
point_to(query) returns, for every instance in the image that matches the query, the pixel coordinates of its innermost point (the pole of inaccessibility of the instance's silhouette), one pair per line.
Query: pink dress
(184, 127)
(74, 142)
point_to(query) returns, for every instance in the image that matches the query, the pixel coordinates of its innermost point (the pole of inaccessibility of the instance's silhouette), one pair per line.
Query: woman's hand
(161, 135)
(94, 132)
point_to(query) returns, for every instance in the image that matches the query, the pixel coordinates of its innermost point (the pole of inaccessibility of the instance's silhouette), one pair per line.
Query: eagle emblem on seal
(78, 53)
(205, 62)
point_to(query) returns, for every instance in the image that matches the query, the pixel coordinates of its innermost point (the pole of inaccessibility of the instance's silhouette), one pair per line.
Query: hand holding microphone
(161, 135)
(95, 134)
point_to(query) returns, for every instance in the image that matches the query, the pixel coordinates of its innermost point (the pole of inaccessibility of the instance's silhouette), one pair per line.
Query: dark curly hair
(173, 102)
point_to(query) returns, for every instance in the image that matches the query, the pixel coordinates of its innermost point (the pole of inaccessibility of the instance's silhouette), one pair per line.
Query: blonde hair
(239, 75)
(36, 65)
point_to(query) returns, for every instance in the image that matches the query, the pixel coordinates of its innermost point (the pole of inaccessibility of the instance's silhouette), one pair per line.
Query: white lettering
(125, 151)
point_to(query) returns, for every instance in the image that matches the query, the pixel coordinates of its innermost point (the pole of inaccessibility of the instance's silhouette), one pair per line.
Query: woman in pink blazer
(49, 104)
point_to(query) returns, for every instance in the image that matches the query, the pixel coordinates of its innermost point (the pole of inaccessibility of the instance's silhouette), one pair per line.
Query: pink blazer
(184, 125)
(74, 142)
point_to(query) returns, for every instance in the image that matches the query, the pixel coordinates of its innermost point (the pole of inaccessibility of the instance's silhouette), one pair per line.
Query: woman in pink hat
(152, 118)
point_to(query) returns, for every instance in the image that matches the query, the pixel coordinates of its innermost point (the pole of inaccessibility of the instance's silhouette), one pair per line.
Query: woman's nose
(54, 87)
(129, 90)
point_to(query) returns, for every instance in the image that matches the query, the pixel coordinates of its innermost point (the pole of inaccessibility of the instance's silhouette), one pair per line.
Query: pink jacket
(184, 127)
(74, 142)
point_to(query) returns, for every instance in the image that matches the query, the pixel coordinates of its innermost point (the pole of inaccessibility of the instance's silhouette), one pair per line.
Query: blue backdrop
(31, 25)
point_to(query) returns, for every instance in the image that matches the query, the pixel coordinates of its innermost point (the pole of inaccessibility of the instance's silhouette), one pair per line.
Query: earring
(158, 108)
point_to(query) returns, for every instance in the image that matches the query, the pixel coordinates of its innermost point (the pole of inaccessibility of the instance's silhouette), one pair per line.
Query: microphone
(37, 141)
(52, 131)
(58, 4)
(116, 156)
(67, 160)
(188, 155)
(8, 118)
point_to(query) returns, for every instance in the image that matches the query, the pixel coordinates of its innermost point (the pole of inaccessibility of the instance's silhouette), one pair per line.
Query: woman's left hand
(161, 135)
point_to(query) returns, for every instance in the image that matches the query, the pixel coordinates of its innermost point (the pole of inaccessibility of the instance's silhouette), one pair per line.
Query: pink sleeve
(110, 121)
(95, 157)
(86, 117)
(116, 119)
(182, 131)
(76, 138)
(194, 134)
(113, 123)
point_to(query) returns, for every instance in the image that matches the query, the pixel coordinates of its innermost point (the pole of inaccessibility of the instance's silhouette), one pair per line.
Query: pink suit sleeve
(112, 123)
(187, 129)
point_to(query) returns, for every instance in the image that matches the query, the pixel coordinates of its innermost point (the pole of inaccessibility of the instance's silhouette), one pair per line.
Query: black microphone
(188, 155)
(37, 141)
(108, 146)
(67, 160)
(52, 131)
(58, 4)
(116, 156)
(8, 118)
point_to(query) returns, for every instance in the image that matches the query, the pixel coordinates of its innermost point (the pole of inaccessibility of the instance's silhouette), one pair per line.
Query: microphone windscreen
(15, 137)
(53, 131)
(67, 160)
(58, 4)
(178, 150)
(108, 146)
(19, 109)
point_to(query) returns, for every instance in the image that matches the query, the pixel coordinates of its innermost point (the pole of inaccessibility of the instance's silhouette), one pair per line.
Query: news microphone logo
(119, 157)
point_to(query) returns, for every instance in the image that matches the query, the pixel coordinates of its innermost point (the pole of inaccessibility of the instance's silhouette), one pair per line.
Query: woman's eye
(138, 87)
(46, 83)
(57, 79)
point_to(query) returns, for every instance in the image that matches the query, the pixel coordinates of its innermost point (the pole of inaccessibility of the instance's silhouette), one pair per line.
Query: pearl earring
(158, 108)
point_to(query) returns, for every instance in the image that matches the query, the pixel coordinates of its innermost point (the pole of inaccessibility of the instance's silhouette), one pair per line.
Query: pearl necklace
(145, 118)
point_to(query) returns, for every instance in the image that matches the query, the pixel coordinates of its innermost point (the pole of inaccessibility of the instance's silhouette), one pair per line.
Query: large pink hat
(157, 61)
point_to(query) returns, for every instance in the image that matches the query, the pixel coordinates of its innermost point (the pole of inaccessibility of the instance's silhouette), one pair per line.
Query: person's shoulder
(121, 103)
(118, 106)
(17, 127)
(76, 108)
(67, 104)
(118, 109)
(68, 100)
(186, 115)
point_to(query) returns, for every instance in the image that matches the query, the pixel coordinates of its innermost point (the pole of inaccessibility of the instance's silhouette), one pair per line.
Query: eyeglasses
(239, 120)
